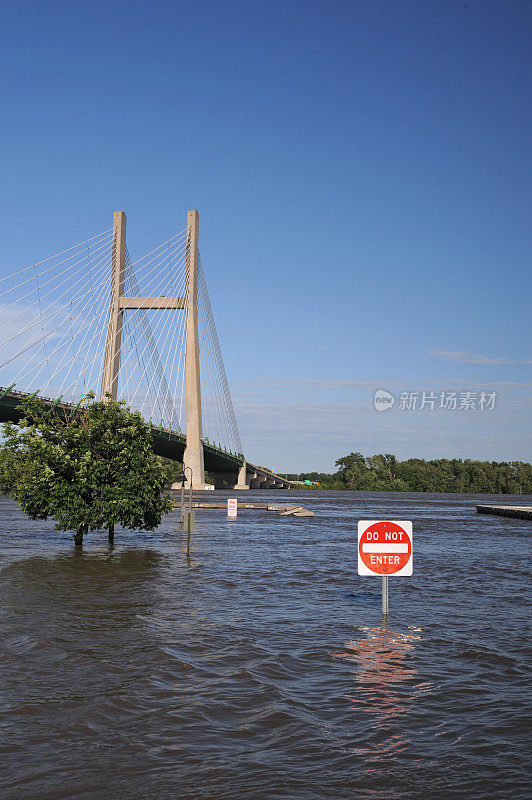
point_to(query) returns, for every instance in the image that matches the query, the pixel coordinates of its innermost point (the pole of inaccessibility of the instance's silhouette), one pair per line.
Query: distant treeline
(386, 473)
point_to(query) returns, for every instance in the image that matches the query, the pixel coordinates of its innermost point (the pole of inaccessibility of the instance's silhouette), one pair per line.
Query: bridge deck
(167, 443)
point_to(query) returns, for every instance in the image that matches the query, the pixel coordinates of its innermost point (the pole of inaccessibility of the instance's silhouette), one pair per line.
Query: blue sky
(362, 174)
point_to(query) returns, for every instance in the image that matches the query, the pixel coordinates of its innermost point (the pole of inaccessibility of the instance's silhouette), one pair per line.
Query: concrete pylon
(242, 478)
(193, 457)
(113, 342)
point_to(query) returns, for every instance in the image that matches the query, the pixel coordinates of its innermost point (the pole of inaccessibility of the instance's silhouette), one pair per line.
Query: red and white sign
(232, 507)
(385, 547)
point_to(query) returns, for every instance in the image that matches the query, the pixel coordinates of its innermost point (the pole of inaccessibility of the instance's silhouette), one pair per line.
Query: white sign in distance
(232, 507)
(385, 547)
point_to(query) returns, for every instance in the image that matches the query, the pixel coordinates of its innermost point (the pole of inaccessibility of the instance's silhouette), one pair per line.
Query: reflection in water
(381, 660)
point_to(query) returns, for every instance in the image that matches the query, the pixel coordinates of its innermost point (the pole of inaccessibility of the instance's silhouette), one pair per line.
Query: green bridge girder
(167, 443)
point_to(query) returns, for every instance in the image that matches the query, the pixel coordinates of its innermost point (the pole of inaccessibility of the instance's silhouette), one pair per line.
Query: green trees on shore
(87, 471)
(383, 472)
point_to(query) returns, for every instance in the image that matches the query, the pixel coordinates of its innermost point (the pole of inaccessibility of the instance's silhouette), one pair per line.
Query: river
(261, 669)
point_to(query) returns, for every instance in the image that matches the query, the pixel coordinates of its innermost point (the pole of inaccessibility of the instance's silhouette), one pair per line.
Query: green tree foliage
(172, 470)
(88, 471)
(383, 472)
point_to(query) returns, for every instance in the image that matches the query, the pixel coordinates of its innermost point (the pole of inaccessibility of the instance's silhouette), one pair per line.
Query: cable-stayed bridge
(92, 318)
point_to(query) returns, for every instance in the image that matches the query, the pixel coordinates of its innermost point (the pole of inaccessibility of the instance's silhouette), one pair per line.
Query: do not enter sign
(385, 547)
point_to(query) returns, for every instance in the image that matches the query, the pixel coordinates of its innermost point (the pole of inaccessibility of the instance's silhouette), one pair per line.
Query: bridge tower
(193, 457)
(111, 362)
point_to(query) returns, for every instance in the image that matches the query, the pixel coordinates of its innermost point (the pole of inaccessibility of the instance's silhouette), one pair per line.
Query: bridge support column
(241, 483)
(193, 457)
(256, 481)
(113, 342)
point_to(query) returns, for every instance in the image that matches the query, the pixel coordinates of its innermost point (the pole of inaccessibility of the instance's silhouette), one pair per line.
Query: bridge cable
(79, 294)
(160, 283)
(221, 374)
(208, 361)
(50, 305)
(164, 395)
(99, 334)
(41, 320)
(154, 355)
(62, 252)
(124, 386)
(101, 346)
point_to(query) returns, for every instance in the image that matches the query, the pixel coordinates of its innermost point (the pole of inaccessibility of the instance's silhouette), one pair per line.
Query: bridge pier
(242, 478)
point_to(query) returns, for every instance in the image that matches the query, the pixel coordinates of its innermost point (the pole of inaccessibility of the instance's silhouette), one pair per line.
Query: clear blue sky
(362, 173)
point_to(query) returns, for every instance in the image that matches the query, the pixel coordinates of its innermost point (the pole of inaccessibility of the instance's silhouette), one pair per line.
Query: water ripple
(261, 668)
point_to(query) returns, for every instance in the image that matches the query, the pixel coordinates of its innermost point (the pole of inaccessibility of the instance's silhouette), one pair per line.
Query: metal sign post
(385, 604)
(188, 517)
(189, 523)
(183, 479)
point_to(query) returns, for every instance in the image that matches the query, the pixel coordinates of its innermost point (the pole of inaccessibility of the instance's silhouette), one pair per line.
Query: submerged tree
(89, 470)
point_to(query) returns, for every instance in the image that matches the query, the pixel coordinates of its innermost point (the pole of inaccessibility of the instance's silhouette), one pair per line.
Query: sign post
(385, 547)
(232, 507)
(385, 604)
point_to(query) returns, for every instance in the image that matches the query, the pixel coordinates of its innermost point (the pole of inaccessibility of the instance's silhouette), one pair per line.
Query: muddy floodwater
(260, 670)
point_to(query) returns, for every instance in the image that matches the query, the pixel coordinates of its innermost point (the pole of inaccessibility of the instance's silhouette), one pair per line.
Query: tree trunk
(111, 532)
